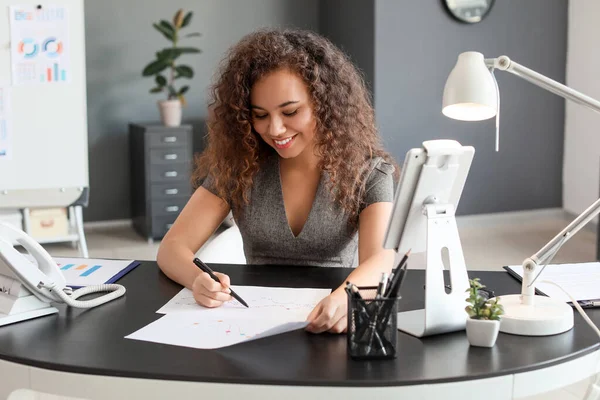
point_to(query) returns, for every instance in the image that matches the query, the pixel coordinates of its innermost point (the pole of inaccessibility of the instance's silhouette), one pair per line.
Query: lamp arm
(582, 219)
(545, 254)
(506, 64)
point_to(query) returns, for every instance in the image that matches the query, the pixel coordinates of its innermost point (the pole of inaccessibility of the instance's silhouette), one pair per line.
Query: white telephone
(43, 283)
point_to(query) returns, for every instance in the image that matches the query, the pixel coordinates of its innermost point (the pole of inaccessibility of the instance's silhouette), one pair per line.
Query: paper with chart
(272, 311)
(40, 46)
(5, 124)
(261, 299)
(581, 280)
(205, 331)
(81, 272)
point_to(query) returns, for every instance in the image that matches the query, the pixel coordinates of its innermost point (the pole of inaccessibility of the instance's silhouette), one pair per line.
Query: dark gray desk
(91, 342)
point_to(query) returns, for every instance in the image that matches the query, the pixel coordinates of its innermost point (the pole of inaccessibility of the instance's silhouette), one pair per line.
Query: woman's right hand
(209, 293)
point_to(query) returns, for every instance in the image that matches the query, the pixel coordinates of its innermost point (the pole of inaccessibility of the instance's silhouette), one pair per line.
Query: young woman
(293, 151)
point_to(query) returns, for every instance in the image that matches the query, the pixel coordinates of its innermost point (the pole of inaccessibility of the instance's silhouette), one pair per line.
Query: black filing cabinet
(161, 165)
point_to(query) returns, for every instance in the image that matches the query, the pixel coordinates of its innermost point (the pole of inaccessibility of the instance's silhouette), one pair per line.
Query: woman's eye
(289, 114)
(257, 116)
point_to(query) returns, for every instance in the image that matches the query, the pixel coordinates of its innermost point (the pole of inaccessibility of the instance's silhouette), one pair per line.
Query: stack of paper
(582, 281)
(271, 311)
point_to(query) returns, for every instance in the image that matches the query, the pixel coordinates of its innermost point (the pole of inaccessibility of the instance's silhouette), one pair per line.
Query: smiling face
(282, 113)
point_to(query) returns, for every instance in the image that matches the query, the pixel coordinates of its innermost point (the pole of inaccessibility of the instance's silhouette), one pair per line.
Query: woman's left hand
(330, 314)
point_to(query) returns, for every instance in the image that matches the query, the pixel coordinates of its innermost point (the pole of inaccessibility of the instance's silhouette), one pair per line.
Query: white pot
(170, 112)
(481, 332)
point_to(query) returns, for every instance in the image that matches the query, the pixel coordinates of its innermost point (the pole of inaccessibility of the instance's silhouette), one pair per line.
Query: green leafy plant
(165, 62)
(481, 307)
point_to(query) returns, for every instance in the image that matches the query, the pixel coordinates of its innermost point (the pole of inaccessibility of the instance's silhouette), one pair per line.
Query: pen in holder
(372, 329)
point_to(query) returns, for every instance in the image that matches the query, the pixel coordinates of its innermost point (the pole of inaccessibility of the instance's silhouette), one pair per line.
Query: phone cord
(115, 290)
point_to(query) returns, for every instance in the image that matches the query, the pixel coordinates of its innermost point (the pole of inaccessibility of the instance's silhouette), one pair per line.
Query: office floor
(489, 242)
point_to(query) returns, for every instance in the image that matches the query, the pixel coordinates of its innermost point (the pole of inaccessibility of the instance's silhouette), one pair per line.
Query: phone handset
(45, 280)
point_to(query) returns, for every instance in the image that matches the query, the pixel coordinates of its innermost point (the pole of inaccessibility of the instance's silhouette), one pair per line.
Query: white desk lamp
(471, 94)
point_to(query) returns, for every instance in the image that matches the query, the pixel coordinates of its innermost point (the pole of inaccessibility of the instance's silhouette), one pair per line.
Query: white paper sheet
(272, 311)
(40, 46)
(262, 301)
(582, 280)
(5, 124)
(204, 331)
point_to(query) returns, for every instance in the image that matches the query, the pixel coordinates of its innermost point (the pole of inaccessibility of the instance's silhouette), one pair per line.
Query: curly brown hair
(346, 137)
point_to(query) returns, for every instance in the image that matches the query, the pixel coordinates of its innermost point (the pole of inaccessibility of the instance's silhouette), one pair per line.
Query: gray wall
(350, 24)
(416, 46)
(405, 49)
(118, 46)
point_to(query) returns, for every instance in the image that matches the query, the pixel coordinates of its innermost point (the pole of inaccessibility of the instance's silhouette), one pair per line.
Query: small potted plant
(165, 70)
(484, 316)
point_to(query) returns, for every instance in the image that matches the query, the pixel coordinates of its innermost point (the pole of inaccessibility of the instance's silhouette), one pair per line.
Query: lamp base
(545, 317)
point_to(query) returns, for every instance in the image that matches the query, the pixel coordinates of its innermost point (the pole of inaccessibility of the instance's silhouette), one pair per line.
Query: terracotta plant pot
(482, 333)
(170, 112)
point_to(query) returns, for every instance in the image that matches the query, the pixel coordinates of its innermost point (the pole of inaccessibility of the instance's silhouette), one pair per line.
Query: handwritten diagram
(269, 302)
(260, 299)
(272, 311)
(202, 331)
(221, 327)
(261, 302)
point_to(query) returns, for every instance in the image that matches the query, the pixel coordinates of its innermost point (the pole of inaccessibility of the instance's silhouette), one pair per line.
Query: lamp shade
(470, 91)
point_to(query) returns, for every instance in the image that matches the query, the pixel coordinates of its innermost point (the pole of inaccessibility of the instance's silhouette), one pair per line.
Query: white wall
(581, 174)
(416, 46)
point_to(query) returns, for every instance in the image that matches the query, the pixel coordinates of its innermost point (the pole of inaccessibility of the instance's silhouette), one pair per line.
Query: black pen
(586, 303)
(393, 288)
(210, 272)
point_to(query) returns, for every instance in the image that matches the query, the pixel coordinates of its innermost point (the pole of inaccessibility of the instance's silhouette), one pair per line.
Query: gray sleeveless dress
(325, 239)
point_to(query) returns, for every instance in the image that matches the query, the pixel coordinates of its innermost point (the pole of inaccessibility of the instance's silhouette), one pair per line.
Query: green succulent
(480, 307)
(164, 67)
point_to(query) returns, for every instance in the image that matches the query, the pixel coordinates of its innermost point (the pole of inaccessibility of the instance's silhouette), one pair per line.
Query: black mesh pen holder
(372, 329)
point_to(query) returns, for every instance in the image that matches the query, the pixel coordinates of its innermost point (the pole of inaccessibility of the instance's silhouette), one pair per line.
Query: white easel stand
(82, 244)
(443, 312)
(14, 309)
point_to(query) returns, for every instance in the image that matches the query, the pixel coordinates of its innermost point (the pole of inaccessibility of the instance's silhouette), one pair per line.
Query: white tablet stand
(423, 221)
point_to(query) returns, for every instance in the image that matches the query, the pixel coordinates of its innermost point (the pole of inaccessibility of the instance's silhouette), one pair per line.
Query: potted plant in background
(165, 70)
(484, 316)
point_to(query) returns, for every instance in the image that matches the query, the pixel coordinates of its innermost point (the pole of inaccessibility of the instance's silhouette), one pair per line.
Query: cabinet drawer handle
(170, 156)
(170, 174)
(172, 208)
(168, 226)
(171, 191)
(170, 139)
